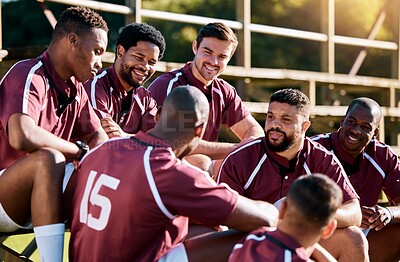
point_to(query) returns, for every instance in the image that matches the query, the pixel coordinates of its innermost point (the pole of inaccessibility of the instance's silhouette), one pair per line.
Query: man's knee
(48, 156)
(48, 163)
(347, 244)
(355, 237)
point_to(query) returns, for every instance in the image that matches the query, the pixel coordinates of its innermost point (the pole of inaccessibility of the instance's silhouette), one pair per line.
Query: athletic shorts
(175, 254)
(69, 169)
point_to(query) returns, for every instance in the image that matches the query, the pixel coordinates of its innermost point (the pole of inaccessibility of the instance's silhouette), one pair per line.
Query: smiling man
(213, 49)
(116, 93)
(372, 166)
(265, 168)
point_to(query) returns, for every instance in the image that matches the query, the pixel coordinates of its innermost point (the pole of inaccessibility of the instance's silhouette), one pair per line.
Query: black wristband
(83, 147)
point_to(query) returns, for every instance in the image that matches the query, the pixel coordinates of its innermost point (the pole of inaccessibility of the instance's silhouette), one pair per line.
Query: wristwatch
(83, 147)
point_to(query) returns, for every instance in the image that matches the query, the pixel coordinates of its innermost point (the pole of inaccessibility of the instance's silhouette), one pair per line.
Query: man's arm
(214, 150)
(95, 138)
(248, 127)
(250, 214)
(349, 214)
(25, 135)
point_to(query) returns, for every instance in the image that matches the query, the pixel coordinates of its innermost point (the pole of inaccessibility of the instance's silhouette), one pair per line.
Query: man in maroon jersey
(306, 216)
(127, 192)
(213, 48)
(274, 162)
(116, 93)
(43, 106)
(372, 166)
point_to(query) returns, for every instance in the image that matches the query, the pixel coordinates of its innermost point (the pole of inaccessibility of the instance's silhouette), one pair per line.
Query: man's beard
(126, 74)
(286, 144)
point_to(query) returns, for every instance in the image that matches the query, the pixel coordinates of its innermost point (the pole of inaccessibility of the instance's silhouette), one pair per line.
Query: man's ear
(73, 39)
(198, 131)
(120, 51)
(376, 132)
(342, 120)
(194, 47)
(305, 125)
(330, 228)
(282, 209)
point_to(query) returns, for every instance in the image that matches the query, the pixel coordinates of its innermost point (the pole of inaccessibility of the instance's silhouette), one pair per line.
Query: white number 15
(92, 193)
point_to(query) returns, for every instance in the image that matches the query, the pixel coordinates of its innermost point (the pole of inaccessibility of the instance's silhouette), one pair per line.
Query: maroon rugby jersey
(258, 173)
(266, 245)
(128, 193)
(378, 168)
(226, 107)
(132, 111)
(28, 88)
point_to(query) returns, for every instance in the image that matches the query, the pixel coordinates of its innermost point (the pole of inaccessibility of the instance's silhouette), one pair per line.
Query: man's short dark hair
(135, 32)
(367, 103)
(316, 197)
(293, 97)
(78, 20)
(219, 31)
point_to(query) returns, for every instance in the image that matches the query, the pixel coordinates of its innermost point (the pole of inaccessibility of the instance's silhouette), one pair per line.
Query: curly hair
(135, 32)
(79, 20)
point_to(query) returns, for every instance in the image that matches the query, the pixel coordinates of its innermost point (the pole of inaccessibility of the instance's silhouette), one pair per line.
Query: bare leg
(384, 244)
(31, 188)
(347, 244)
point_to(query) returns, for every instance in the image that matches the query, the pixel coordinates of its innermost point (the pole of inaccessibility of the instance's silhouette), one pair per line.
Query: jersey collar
(151, 140)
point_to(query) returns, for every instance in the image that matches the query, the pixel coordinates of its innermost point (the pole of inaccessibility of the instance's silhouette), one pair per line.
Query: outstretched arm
(250, 214)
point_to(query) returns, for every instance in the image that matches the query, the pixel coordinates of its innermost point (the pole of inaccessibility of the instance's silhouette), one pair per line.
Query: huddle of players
(162, 190)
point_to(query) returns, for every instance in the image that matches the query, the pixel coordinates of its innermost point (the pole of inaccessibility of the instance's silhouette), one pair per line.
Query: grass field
(19, 242)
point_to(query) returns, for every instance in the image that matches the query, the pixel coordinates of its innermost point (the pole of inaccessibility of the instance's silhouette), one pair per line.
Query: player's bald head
(367, 103)
(186, 107)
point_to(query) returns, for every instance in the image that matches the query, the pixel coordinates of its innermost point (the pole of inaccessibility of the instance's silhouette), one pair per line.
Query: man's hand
(376, 217)
(111, 128)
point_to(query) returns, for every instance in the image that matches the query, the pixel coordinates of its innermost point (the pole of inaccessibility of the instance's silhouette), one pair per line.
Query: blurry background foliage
(353, 18)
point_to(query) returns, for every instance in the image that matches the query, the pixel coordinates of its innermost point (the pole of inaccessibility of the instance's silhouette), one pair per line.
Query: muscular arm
(250, 214)
(247, 127)
(349, 214)
(95, 138)
(25, 135)
(215, 150)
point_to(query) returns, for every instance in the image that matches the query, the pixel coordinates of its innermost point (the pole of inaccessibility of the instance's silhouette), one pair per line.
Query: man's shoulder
(142, 92)
(320, 137)
(165, 77)
(315, 147)
(248, 150)
(24, 67)
(99, 80)
(380, 150)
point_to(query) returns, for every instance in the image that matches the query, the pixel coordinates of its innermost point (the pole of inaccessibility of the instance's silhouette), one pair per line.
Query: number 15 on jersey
(91, 194)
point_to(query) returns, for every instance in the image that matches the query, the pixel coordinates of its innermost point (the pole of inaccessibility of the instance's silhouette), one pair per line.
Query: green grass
(19, 243)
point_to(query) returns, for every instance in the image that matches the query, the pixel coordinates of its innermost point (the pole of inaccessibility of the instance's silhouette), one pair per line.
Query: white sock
(50, 242)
